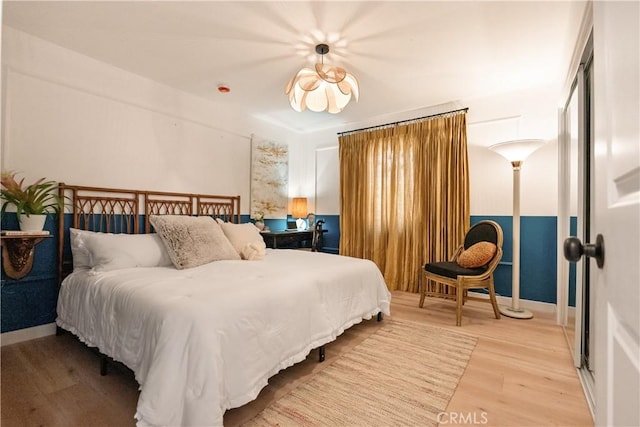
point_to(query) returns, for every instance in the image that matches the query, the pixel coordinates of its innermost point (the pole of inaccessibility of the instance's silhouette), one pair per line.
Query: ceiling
(406, 55)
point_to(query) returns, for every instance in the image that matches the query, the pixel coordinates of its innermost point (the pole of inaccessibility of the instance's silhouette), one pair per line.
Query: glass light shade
(325, 88)
(517, 150)
(299, 207)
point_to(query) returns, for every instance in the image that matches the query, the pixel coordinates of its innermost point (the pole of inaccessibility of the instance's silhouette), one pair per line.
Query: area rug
(404, 374)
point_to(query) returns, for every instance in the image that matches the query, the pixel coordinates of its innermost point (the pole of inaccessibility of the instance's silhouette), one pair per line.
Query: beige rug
(402, 375)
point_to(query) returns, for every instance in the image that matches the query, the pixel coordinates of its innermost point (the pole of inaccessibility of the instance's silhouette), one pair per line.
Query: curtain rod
(404, 121)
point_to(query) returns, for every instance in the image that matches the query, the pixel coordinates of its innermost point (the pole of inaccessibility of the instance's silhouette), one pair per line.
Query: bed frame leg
(379, 316)
(321, 354)
(104, 363)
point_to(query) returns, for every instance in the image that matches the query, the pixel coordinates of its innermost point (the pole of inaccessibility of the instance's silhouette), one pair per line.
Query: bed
(203, 339)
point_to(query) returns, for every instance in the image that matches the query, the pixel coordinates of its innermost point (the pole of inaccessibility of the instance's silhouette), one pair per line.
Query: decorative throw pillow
(192, 241)
(477, 255)
(241, 235)
(254, 251)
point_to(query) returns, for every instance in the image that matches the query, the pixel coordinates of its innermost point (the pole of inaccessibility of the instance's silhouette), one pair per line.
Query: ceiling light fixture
(325, 88)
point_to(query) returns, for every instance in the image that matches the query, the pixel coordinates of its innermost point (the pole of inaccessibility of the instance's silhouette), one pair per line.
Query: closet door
(576, 289)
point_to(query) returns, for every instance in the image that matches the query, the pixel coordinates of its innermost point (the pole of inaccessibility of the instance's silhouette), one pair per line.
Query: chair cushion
(452, 270)
(477, 255)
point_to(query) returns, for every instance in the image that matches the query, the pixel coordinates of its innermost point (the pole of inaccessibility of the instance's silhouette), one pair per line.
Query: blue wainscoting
(538, 255)
(31, 301)
(538, 252)
(331, 238)
(331, 224)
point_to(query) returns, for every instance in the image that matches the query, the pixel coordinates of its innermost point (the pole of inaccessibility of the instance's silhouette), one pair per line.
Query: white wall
(70, 118)
(73, 119)
(327, 180)
(530, 114)
(491, 182)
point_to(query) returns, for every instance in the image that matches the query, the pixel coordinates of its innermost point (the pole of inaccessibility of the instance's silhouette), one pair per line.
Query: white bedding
(206, 339)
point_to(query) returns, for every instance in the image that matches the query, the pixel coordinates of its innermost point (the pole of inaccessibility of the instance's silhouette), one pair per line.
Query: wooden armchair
(471, 266)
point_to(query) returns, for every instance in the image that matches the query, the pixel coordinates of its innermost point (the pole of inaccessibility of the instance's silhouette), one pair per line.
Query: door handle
(573, 250)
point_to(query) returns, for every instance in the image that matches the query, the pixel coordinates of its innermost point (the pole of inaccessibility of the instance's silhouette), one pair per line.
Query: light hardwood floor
(520, 374)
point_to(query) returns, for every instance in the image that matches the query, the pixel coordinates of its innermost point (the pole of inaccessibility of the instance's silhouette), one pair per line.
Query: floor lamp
(516, 152)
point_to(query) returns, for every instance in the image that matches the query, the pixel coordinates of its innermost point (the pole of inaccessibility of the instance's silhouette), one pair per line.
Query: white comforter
(204, 340)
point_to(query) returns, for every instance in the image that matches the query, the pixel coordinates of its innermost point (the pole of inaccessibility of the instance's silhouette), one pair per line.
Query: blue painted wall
(31, 301)
(331, 238)
(538, 252)
(331, 224)
(538, 255)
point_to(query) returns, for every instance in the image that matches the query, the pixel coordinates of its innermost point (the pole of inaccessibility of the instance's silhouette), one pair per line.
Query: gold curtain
(404, 195)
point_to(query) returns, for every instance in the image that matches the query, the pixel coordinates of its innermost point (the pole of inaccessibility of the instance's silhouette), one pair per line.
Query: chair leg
(459, 301)
(492, 297)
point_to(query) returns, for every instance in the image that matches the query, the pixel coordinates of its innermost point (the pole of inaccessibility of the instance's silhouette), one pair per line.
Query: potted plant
(32, 202)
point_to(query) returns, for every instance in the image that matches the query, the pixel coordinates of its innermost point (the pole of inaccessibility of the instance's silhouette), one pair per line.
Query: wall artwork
(269, 179)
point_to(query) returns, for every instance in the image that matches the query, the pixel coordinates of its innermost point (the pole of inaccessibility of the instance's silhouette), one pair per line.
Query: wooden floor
(520, 374)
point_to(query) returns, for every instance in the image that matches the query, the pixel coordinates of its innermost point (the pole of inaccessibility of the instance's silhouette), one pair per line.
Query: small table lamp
(516, 152)
(299, 210)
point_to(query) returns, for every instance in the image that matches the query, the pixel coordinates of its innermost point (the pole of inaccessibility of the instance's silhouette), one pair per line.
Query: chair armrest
(457, 253)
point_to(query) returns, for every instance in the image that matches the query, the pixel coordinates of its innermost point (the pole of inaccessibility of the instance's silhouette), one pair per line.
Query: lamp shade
(313, 90)
(326, 87)
(517, 150)
(299, 208)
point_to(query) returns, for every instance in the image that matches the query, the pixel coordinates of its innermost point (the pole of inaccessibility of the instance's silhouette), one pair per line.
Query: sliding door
(575, 296)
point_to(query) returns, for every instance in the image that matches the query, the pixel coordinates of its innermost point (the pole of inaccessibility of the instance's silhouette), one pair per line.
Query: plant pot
(259, 225)
(32, 222)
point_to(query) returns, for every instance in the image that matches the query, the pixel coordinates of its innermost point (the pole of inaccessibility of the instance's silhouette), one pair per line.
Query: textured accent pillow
(241, 235)
(477, 255)
(192, 241)
(254, 251)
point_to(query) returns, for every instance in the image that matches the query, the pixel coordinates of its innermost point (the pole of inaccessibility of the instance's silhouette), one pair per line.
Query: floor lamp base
(520, 313)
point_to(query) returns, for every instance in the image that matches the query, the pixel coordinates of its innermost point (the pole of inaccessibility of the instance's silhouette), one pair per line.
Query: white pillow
(79, 251)
(107, 251)
(117, 251)
(193, 241)
(241, 235)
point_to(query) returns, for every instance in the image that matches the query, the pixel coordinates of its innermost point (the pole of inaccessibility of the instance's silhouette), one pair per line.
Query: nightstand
(17, 253)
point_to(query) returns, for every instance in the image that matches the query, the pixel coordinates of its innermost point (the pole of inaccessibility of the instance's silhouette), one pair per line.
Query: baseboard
(27, 334)
(542, 307)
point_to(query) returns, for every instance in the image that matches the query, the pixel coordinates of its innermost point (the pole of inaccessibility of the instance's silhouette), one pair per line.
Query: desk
(289, 239)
